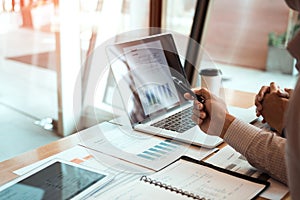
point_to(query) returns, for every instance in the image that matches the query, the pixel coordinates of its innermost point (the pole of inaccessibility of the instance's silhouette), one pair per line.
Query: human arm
(263, 150)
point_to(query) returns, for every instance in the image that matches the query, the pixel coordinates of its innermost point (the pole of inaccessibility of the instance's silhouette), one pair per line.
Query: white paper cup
(211, 79)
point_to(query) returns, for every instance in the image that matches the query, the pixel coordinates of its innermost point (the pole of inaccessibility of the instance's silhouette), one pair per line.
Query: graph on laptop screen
(151, 76)
(143, 68)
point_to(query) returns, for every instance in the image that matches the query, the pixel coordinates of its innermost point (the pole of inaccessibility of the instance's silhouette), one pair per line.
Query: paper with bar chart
(159, 150)
(143, 149)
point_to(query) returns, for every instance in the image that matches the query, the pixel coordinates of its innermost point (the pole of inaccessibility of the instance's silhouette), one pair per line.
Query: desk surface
(7, 167)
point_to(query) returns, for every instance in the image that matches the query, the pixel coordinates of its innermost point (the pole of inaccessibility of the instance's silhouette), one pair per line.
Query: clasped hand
(271, 103)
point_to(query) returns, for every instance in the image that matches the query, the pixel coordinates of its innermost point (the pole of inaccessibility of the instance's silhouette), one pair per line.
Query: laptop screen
(143, 71)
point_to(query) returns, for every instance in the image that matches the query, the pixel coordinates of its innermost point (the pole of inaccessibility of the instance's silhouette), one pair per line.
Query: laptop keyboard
(178, 122)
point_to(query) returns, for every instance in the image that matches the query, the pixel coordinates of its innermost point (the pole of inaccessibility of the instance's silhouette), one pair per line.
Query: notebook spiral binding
(171, 188)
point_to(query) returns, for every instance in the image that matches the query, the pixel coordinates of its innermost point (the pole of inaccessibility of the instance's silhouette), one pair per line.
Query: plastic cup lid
(210, 72)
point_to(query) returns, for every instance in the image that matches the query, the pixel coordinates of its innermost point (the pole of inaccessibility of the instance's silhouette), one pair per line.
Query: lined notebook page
(183, 179)
(207, 182)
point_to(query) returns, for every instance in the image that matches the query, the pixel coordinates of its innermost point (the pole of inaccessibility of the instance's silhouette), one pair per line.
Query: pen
(182, 86)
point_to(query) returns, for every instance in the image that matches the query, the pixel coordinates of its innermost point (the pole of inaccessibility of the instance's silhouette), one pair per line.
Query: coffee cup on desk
(211, 79)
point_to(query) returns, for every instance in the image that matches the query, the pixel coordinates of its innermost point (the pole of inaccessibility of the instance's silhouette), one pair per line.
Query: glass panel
(237, 39)
(113, 18)
(28, 87)
(29, 40)
(28, 60)
(179, 15)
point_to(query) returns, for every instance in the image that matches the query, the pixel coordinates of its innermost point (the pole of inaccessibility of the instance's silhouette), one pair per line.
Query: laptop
(144, 71)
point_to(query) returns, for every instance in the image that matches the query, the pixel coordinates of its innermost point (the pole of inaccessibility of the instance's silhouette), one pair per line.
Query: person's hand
(259, 98)
(287, 93)
(212, 116)
(274, 107)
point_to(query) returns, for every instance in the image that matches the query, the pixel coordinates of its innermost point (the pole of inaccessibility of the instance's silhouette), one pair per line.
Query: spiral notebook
(188, 178)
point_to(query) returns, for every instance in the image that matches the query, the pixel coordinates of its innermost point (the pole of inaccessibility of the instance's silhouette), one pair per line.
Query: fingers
(290, 91)
(199, 114)
(283, 94)
(258, 112)
(273, 87)
(266, 89)
(262, 92)
(197, 120)
(188, 96)
(198, 106)
(259, 98)
(203, 92)
(258, 108)
(198, 111)
(286, 93)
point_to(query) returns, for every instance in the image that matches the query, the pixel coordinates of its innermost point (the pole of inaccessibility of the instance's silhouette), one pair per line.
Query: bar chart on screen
(154, 93)
(157, 96)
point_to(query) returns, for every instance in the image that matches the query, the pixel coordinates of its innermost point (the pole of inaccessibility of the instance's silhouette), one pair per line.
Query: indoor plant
(279, 59)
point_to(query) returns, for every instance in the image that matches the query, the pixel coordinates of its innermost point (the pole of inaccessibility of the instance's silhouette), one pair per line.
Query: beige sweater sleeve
(263, 150)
